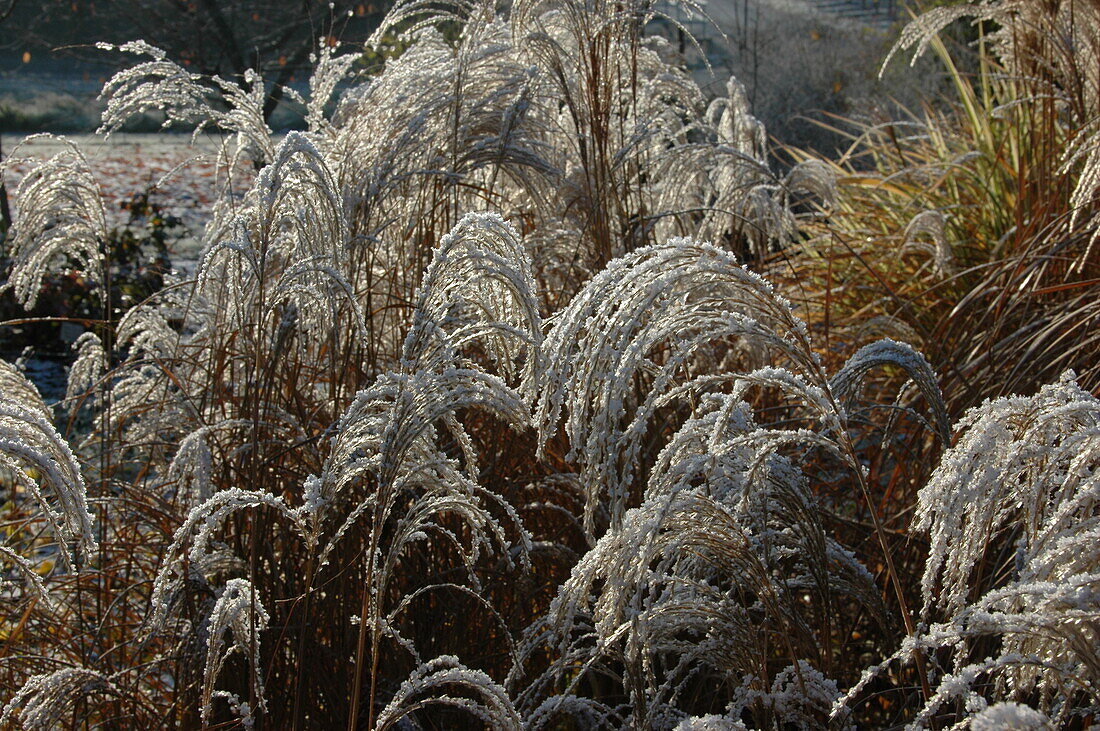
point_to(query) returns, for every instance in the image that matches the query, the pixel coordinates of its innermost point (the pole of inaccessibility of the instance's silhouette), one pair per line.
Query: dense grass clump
(461, 421)
(971, 225)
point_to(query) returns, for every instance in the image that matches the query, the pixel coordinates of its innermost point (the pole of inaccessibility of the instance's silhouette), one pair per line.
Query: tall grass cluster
(524, 389)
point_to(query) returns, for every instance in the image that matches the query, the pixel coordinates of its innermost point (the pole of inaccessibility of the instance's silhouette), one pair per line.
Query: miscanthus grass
(482, 409)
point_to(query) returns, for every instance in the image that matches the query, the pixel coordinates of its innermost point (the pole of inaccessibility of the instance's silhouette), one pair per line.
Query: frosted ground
(181, 174)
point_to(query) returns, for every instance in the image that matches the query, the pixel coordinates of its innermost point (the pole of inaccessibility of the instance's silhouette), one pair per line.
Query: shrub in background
(138, 256)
